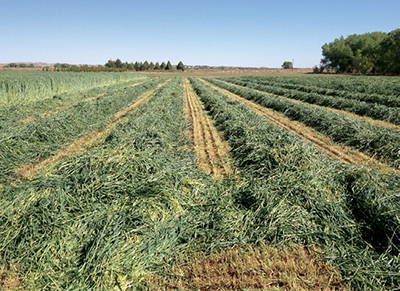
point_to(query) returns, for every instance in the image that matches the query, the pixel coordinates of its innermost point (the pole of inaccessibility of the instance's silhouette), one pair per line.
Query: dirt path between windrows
(211, 151)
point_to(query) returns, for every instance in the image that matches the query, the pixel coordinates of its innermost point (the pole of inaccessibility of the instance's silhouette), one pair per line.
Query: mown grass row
(392, 100)
(376, 141)
(18, 87)
(27, 143)
(363, 85)
(124, 209)
(292, 194)
(373, 110)
(34, 109)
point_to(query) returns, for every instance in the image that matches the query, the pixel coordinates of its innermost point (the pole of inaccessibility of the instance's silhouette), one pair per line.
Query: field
(175, 182)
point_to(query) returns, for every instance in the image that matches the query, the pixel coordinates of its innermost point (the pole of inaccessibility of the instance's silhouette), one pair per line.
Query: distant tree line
(375, 53)
(145, 66)
(19, 65)
(117, 66)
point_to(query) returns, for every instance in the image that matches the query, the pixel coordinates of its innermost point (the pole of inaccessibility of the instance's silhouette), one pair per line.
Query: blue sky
(233, 33)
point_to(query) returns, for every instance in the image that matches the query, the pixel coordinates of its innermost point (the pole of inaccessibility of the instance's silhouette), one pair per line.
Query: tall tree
(391, 52)
(180, 66)
(169, 66)
(356, 53)
(163, 66)
(118, 63)
(151, 66)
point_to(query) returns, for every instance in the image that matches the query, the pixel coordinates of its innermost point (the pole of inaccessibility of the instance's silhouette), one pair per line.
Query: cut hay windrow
(345, 154)
(119, 211)
(57, 109)
(46, 104)
(33, 142)
(373, 110)
(352, 214)
(211, 151)
(362, 136)
(380, 90)
(375, 122)
(94, 138)
(134, 210)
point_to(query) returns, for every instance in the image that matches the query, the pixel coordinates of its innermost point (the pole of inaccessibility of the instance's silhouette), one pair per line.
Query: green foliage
(391, 52)
(169, 66)
(287, 65)
(180, 66)
(375, 52)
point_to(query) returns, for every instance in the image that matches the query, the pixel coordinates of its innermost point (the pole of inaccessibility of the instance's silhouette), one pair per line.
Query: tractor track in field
(211, 151)
(335, 151)
(58, 109)
(92, 139)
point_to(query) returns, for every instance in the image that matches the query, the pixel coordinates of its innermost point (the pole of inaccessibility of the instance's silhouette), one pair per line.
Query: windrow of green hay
(20, 87)
(363, 88)
(362, 136)
(291, 194)
(24, 112)
(127, 213)
(29, 143)
(374, 110)
(120, 214)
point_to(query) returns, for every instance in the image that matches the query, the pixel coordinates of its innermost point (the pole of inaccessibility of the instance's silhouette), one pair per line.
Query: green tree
(356, 53)
(390, 49)
(151, 66)
(118, 63)
(163, 66)
(287, 65)
(157, 66)
(180, 66)
(337, 55)
(169, 66)
(110, 64)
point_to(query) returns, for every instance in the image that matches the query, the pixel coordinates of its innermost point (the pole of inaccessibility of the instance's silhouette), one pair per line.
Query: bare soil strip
(92, 139)
(58, 109)
(344, 154)
(211, 151)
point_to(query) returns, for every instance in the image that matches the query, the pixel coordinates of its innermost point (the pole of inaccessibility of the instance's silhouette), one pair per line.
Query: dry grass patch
(264, 268)
(211, 151)
(9, 279)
